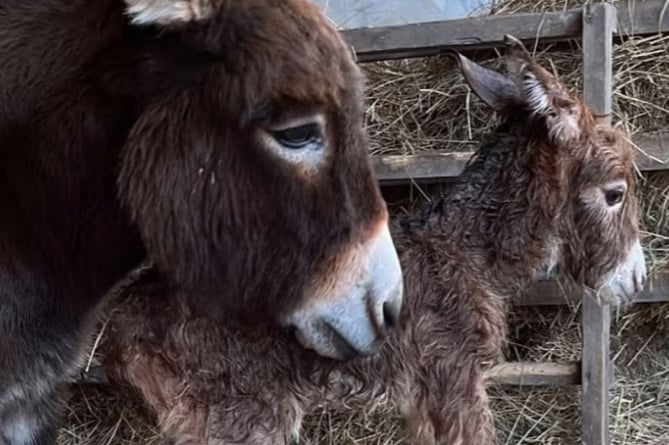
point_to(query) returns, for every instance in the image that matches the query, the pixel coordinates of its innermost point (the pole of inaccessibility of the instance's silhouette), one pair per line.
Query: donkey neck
(503, 210)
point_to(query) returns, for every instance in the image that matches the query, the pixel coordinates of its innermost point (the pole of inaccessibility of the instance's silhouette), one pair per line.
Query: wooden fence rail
(552, 293)
(652, 155)
(506, 374)
(599, 26)
(424, 39)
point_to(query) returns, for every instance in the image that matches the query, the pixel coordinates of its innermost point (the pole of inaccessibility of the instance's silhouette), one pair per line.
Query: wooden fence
(599, 26)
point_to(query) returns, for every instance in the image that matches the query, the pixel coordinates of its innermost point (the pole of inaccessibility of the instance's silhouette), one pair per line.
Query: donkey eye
(613, 197)
(296, 138)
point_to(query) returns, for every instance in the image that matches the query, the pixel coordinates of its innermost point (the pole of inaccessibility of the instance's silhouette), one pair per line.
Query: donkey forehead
(609, 157)
(285, 50)
(613, 145)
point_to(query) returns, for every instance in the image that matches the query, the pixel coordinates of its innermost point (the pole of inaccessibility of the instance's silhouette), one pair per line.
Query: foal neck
(504, 209)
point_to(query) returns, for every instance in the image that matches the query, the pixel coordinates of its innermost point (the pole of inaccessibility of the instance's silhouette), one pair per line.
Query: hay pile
(423, 105)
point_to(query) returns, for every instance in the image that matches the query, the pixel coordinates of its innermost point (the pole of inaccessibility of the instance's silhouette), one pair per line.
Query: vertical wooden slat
(599, 23)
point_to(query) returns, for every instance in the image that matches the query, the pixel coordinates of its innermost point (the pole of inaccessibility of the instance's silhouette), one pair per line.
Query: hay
(654, 201)
(96, 416)
(553, 415)
(423, 105)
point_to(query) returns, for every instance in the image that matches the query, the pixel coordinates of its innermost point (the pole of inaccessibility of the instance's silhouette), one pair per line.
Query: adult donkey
(223, 140)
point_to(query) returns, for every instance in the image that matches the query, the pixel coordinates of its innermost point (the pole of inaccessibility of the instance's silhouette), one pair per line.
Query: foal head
(247, 172)
(596, 242)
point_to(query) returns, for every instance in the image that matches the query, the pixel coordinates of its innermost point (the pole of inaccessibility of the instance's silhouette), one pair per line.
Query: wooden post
(599, 24)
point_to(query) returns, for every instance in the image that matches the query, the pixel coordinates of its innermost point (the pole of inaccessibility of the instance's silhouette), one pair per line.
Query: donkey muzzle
(353, 316)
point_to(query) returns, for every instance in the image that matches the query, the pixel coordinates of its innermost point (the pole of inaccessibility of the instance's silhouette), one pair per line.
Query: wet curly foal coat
(549, 189)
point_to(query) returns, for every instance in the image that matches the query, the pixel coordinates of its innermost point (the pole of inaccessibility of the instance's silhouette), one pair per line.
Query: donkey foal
(549, 189)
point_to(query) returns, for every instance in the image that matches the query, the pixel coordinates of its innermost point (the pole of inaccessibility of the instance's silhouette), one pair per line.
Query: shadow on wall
(370, 13)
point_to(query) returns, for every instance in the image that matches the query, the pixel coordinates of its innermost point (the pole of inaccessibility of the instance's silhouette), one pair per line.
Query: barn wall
(366, 13)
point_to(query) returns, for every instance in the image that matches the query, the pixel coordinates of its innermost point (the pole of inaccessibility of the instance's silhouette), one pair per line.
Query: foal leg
(185, 417)
(466, 419)
(231, 422)
(453, 410)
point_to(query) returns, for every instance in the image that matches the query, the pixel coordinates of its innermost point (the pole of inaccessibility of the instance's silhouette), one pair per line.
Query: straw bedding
(422, 105)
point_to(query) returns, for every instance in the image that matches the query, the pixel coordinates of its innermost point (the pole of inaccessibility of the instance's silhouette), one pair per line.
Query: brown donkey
(222, 139)
(549, 189)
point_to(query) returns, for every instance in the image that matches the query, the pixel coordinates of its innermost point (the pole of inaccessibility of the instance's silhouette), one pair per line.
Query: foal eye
(613, 197)
(296, 138)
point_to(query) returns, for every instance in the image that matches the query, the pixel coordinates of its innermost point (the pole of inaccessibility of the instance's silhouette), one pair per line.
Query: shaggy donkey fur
(222, 139)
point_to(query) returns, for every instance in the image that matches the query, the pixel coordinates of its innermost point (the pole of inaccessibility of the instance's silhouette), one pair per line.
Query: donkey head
(591, 169)
(601, 247)
(247, 172)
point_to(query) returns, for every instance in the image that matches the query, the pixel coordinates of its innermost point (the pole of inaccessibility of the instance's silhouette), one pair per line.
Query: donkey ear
(517, 56)
(535, 83)
(167, 12)
(539, 89)
(542, 93)
(495, 89)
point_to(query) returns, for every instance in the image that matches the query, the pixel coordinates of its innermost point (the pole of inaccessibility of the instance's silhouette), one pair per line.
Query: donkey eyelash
(299, 142)
(286, 124)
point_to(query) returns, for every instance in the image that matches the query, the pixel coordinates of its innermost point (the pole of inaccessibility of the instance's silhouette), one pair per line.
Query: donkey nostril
(390, 315)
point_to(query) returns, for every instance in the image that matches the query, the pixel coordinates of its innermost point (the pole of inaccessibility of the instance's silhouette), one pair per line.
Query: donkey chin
(627, 280)
(353, 319)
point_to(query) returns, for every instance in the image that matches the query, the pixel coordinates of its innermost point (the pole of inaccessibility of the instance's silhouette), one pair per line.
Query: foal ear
(495, 89)
(167, 12)
(542, 93)
(518, 58)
